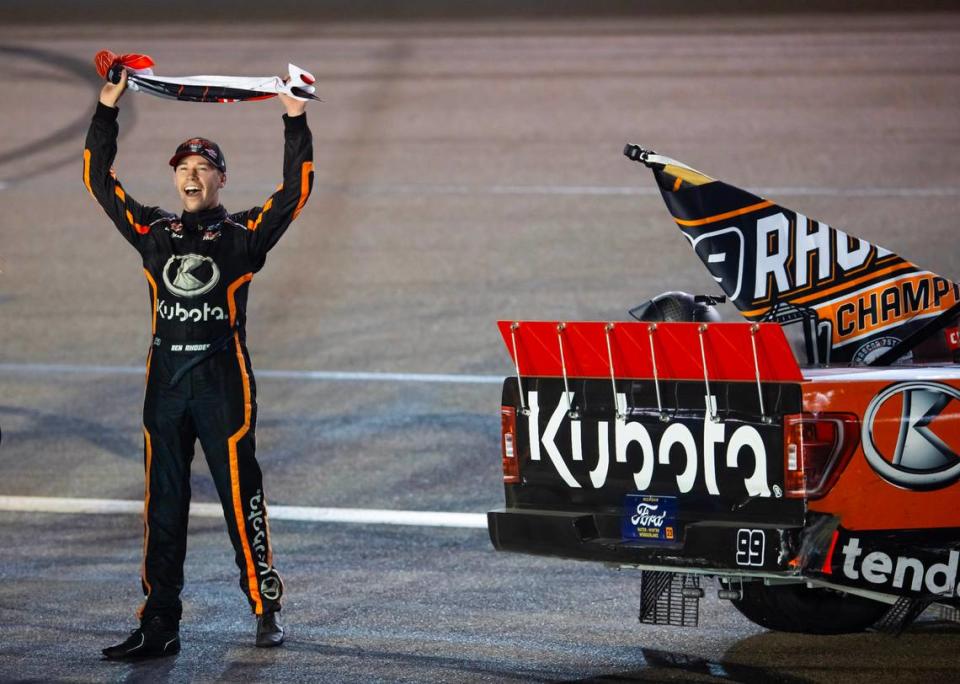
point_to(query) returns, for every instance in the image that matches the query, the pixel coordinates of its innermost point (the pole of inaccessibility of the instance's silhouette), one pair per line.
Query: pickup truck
(807, 457)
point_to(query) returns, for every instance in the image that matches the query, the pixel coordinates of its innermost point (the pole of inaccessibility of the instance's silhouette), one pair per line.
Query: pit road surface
(465, 172)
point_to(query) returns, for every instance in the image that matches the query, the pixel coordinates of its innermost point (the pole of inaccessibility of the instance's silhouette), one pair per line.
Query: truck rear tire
(797, 608)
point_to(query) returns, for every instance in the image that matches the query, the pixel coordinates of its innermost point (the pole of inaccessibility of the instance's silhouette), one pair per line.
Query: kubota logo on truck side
(633, 439)
(911, 434)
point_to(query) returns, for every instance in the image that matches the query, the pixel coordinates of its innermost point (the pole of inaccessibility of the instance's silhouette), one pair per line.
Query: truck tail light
(816, 449)
(508, 444)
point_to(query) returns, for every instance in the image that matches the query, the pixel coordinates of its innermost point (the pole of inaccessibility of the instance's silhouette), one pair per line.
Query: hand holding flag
(140, 77)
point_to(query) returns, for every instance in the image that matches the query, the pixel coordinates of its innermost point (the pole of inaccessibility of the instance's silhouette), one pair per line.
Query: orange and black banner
(839, 298)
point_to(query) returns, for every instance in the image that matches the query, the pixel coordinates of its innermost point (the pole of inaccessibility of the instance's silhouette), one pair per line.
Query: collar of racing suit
(201, 220)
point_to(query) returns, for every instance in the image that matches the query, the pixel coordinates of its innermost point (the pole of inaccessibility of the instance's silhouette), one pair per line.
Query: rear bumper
(712, 547)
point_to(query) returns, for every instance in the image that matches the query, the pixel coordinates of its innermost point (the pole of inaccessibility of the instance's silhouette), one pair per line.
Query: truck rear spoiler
(756, 352)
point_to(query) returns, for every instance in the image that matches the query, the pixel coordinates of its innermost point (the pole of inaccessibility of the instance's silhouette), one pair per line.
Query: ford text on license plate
(650, 518)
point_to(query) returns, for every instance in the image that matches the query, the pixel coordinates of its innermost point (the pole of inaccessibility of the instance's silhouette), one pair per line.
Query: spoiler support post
(607, 329)
(563, 367)
(656, 379)
(516, 360)
(712, 407)
(756, 366)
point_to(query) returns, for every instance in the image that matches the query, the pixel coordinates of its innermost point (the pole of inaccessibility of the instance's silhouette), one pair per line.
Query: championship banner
(140, 78)
(839, 298)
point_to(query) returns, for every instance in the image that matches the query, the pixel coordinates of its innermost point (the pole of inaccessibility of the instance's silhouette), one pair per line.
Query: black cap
(207, 149)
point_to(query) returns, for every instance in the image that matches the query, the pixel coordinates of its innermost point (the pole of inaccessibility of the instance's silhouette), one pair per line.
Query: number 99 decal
(750, 544)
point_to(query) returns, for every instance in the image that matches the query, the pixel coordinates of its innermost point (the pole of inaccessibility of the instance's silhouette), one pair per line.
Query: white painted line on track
(347, 376)
(626, 190)
(608, 190)
(362, 516)
(856, 192)
(378, 376)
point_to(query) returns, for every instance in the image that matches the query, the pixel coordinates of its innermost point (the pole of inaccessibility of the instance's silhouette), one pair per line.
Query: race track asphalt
(466, 171)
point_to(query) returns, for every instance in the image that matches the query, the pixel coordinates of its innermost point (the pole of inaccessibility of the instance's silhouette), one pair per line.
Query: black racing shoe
(154, 638)
(269, 630)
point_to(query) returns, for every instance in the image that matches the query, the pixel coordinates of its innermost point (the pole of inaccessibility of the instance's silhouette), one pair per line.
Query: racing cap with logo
(207, 149)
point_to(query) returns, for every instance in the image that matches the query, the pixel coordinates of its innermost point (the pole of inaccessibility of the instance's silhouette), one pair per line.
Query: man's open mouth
(191, 190)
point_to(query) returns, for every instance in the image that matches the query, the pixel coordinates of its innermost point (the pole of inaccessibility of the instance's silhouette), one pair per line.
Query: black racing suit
(199, 379)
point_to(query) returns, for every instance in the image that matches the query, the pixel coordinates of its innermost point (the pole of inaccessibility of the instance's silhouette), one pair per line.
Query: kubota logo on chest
(190, 275)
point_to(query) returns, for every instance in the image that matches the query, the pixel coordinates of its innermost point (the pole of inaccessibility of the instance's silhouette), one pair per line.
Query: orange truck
(808, 457)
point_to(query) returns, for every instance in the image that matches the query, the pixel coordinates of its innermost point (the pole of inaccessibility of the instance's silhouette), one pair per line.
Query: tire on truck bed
(797, 608)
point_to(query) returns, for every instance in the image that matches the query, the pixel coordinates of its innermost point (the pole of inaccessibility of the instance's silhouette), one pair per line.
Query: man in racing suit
(200, 385)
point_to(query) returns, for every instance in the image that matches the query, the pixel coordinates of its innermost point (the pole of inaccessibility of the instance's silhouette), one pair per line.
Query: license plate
(650, 518)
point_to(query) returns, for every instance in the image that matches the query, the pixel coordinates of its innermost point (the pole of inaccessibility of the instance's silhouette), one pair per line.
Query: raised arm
(267, 224)
(131, 218)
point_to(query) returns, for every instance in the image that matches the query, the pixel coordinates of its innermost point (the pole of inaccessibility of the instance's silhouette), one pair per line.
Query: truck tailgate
(659, 472)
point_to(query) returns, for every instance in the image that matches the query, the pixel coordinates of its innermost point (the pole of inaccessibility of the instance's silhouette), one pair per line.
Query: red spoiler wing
(678, 349)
